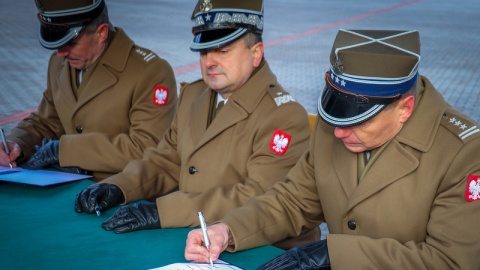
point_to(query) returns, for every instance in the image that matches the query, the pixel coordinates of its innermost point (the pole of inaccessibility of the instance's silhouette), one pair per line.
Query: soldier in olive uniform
(392, 168)
(210, 160)
(107, 99)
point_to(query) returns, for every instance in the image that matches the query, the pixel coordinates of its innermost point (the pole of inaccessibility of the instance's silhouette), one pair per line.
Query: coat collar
(239, 106)
(115, 57)
(252, 92)
(416, 133)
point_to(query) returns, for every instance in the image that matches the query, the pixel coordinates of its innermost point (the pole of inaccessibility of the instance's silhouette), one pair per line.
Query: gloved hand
(309, 256)
(134, 217)
(102, 195)
(45, 155)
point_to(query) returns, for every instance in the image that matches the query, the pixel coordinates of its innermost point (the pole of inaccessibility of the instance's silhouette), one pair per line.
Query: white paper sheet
(218, 264)
(4, 170)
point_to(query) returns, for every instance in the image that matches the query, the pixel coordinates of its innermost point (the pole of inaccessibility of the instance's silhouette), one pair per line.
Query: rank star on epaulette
(472, 191)
(465, 131)
(280, 141)
(146, 57)
(160, 95)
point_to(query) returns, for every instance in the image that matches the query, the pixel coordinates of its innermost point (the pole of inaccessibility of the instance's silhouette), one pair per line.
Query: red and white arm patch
(160, 95)
(472, 192)
(280, 142)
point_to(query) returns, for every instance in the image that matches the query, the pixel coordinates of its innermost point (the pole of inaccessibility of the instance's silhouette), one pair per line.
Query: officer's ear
(102, 32)
(257, 52)
(406, 106)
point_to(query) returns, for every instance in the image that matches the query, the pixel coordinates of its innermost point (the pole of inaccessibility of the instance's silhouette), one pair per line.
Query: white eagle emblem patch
(160, 95)
(472, 192)
(280, 141)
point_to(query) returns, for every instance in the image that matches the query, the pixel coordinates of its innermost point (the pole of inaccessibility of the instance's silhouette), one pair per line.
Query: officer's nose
(208, 59)
(341, 132)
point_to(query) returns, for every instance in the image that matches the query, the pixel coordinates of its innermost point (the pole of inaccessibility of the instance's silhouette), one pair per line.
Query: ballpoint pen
(97, 209)
(203, 225)
(5, 145)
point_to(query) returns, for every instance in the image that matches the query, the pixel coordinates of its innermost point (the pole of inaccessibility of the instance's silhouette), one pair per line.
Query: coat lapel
(199, 115)
(232, 113)
(395, 161)
(345, 165)
(101, 80)
(115, 58)
(376, 177)
(239, 106)
(64, 82)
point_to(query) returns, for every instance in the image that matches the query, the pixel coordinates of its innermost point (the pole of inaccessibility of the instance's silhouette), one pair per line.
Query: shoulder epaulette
(460, 125)
(145, 53)
(279, 95)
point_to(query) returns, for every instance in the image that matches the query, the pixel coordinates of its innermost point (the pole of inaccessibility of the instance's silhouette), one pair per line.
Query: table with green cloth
(39, 229)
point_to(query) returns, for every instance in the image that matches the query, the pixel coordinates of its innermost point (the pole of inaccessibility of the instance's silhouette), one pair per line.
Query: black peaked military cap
(220, 22)
(61, 21)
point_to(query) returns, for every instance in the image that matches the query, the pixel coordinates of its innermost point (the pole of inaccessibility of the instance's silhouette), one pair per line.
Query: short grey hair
(251, 39)
(95, 23)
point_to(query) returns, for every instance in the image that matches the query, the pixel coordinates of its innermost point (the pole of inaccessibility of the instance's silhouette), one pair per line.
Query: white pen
(5, 145)
(97, 209)
(205, 235)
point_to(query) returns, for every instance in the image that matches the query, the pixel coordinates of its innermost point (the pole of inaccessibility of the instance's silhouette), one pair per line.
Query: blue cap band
(376, 87)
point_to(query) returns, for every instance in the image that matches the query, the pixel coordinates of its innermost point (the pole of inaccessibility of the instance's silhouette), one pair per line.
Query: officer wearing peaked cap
(106, 100)
(215, 160)
(392, 169)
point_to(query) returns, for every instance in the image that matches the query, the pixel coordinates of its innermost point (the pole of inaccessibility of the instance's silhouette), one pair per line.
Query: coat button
(192, 170)
(79, 129)
(352, 225)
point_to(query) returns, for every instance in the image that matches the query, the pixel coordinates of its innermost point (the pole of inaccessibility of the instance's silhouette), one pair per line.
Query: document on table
(4, 170)
(218, 264)
(38, 177)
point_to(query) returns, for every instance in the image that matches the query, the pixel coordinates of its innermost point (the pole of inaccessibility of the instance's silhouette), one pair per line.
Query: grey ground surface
(298, 36)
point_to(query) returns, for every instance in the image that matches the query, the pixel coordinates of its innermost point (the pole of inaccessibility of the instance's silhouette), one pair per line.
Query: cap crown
(376, 53)
(57, 5)
(372, 56)
(68, 12)
(221, 14)
(218, 23)
(62, 21)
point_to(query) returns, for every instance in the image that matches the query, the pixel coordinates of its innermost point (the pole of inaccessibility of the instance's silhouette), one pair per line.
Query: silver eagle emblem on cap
(338, 65)
(206, 6)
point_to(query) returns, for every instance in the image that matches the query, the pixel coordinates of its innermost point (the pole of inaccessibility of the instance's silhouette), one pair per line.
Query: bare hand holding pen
(14, 152)
(195, 249)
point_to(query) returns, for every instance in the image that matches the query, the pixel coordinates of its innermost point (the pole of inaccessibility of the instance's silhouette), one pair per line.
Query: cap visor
(338, 111)
(54, 37)
(214, 39)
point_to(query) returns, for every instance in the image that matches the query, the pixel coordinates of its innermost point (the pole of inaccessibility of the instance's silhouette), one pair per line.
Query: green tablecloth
(40, 230)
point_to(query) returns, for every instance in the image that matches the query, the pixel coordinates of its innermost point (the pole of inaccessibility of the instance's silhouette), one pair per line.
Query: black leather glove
(134, 217)
(309, 256)
(76, 170)
(102, 195)
(45, 155)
